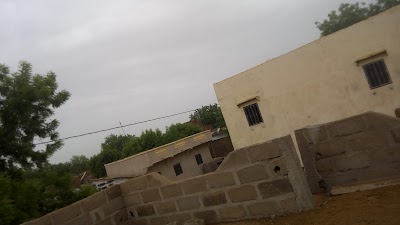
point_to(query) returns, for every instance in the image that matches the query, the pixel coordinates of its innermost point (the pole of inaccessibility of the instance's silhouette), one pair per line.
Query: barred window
(253, 114)
(178, 169)
(377, 74)
(199, 159)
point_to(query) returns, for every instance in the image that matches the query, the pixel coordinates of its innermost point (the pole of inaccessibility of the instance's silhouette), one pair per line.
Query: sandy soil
(379, 206)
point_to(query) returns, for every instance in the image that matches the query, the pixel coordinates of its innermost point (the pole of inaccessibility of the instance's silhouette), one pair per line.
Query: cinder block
(233, 160)
(81, 220)
(97, 215)
(145, 210)
(278, 166)
(397, 112)
(134, 199)
(156, 180)
(263, 209)
(396, 135)
(105, 222)
(165, 207)
(253, 173)
(133, 185)
(188, 203)
(150, 195)
(328, 149)
(113, 206)
(120, 217)
(345, 127)
(216, 198)
(113, 192)
(289, 205)
(67, 213)
(94, 201)
(264, 151)
(180, 218)
(325, 166)
(373, 140)
(194, 185)
(315, 135)
(44, 220)
(139, 222)
(170, 191)
(163, 220)
(219, 180)
(232, 212)
(131, 211)
(358, 160)
(243, 193)
(209, 216)
(274, 188)
(194, 222)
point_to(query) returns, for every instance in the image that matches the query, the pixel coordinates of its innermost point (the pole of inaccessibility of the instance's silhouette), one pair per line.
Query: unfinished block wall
(253, 182)
(355, 149)
(103, 208)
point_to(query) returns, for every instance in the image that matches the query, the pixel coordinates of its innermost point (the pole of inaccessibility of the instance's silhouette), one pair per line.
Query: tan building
(177, 160)
(352, 71)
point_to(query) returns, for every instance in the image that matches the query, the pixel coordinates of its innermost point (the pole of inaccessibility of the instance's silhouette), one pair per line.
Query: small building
(178, 160)
(352, 71)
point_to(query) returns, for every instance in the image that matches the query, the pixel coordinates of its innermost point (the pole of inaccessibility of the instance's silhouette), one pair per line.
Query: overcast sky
(128, 61)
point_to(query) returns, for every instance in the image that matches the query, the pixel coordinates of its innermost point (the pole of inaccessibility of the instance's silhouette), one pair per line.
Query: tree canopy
(116, 147)
(349, 14)
(29, 186)
(27, 104)
(209, 115)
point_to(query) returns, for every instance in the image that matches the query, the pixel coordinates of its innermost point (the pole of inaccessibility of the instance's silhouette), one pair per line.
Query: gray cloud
(135, 60)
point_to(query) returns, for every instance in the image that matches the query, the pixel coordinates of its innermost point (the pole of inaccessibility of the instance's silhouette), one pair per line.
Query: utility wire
(113, 128)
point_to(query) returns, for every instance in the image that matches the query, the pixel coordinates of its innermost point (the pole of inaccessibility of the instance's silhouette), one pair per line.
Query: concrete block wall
(103, 208)
(354, 149)
(254, 182)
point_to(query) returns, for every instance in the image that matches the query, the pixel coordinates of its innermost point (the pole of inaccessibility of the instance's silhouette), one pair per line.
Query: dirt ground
(379, 206)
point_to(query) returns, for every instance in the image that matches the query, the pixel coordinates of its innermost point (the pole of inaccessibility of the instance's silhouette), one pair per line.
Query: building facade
(350, 72)
(177, 160)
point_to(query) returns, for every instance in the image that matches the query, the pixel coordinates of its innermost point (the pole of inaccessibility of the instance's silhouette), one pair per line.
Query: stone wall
(358, 148)
(254, 182)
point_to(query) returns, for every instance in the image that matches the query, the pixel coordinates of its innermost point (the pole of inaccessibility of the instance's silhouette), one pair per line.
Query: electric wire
(113, 128)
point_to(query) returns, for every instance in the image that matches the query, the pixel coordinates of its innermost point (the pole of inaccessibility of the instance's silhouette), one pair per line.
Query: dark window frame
(377, 74)
(178, 169)
(253, 114)
(199, 159)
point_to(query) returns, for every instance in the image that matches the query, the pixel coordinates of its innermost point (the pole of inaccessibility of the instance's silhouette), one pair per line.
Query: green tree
(349, 14)
(78, 164)
(209, 115)
(27, 104)
(179, 131)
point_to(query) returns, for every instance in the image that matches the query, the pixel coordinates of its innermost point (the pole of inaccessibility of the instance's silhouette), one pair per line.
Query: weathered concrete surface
(365, 185)
(355, 149)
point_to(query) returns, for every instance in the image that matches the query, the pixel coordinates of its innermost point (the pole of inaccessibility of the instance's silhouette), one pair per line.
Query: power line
(113, 128)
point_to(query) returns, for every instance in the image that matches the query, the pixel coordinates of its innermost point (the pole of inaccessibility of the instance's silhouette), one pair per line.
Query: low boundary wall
(359, 148)
(258, 181)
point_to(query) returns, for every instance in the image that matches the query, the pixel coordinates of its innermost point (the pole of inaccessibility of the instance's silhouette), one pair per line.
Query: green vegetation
(117, 147)
(349, 14)
(29, 185)
(209, 115)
